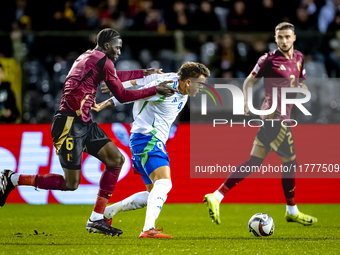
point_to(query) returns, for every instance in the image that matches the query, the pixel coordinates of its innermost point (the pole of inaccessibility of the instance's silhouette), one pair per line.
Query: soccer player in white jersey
(153, 118)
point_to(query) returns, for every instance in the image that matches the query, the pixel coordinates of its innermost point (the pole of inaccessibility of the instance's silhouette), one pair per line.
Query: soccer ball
(261, 224)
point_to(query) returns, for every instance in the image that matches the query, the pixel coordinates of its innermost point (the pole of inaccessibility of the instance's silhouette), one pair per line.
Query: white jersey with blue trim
(155, 115)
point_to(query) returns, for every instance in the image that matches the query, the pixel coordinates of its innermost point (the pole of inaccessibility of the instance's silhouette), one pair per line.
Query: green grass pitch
(60, 229)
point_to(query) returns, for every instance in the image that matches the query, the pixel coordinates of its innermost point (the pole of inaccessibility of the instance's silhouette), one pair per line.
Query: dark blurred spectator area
(227, 36)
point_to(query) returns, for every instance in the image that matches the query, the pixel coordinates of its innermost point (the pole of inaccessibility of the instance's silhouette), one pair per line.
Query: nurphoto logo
(239, 102)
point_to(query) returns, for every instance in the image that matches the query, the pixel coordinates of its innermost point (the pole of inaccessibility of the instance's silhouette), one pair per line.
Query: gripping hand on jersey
(165, 90)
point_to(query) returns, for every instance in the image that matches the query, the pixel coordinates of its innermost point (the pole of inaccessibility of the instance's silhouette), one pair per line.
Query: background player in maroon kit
(283, 67)
(74, 132)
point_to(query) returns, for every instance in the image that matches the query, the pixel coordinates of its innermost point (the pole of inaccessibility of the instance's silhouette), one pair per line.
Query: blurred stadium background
(39, 41)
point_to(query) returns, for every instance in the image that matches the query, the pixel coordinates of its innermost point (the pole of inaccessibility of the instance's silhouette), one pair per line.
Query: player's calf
(156, 199)
(133, 202)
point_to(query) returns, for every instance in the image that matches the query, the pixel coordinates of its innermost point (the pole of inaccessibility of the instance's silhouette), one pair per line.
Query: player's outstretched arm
(130, 75)
(123, 95)
(113, 100)
(126, 85)
(135, 82)
(147, 79)
(152, 70)
(248, 83)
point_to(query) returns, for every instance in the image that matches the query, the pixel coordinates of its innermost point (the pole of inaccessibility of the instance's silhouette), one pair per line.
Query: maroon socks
(106, 186)
(288, 182)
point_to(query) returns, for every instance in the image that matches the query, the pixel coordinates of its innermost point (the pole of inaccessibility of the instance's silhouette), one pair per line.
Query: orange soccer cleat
(153, 233)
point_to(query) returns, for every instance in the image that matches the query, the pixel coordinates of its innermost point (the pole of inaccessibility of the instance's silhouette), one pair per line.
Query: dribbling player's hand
(165, 89)
(152, 70)
(96, 107)
(101, 106)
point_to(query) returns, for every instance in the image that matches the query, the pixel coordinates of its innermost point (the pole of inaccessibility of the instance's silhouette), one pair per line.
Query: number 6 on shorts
(69, 143)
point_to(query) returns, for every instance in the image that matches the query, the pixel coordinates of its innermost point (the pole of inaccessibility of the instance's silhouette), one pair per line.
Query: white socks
(15, 179)
(96, 216)
(156, 200)
(136, 201)
(218, 195)
(292, 209)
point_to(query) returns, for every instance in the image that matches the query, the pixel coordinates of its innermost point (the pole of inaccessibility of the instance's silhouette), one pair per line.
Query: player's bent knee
(165, 183)
(116, 160)
(121, 160)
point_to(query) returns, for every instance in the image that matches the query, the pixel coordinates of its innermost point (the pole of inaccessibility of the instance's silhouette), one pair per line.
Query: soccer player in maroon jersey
(74, 132)
(283, 67)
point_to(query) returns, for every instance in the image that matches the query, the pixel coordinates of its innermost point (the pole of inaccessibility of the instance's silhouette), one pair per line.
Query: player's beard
(285, 51)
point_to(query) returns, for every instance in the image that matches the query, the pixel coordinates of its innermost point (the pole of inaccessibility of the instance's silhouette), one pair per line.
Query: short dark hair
(192, 70)
(284, 26)
(107, 34)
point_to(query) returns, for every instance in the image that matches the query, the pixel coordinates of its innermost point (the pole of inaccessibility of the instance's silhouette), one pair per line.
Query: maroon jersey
(86, 74)
(278, 72)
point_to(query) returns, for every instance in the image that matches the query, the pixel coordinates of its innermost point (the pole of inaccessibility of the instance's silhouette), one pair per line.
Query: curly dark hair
(192, 70)
(105, 35)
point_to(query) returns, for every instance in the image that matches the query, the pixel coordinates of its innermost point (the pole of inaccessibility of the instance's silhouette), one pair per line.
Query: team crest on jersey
(298, 65)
